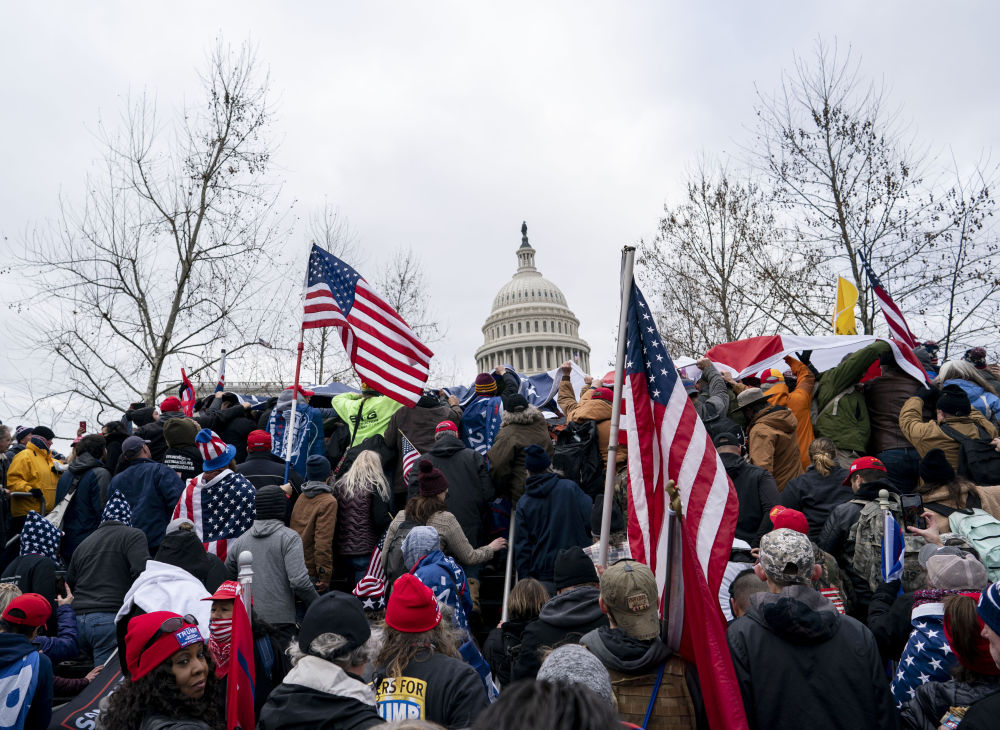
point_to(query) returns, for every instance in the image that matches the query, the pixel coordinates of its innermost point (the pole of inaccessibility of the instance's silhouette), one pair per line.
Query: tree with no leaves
(166, 261)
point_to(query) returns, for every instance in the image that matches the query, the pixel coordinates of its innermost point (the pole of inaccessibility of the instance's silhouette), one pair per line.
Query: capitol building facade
(530, 326)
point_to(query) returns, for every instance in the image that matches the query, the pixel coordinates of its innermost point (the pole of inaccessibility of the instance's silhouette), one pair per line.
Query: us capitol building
(530, 326)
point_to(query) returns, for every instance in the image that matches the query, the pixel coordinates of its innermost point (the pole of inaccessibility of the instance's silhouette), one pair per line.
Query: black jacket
(553, 514)
(800, 663)
(757, 493)
(185, 460)
(983, 714)
(502, 647)
(317, 695)
(469, 485)
(933, 699)
(83, 514)
(417, 424)
(218, 421)
(816, 495)
(889, 619)
(264, 469)
(564, 619)
(104, 567)
(453, 690)
(183, 549)
(35, 574)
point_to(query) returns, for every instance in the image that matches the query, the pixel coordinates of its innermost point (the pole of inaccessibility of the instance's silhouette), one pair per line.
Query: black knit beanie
(935, 469)
(272, 504)
(954, 401)
(573, 568)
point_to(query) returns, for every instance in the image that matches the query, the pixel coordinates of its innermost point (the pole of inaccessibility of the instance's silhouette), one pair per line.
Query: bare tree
(164, 262)
(402, 284)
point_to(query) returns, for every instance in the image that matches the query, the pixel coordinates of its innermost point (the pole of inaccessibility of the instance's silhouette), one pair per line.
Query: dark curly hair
(158, 694)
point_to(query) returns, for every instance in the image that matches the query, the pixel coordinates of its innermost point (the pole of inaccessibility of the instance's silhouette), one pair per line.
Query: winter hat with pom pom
(432, 481)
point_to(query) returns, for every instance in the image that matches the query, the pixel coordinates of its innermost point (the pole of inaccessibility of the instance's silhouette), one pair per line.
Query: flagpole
(290, 429)
(509, 570)
(628, 260)
(222, 373)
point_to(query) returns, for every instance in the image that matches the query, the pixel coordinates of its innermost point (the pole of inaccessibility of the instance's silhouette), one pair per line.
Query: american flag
(667, 440)
(187, 395)
(221, 385)
(384, 351)
(409, 453)
(371, 588)
(927, 656)
(892, 548)
(894, 318)
(221, 510)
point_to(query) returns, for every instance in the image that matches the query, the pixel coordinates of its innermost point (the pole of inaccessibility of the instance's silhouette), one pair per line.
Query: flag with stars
(384, 351)
(927, 656)
(898, 329)
(371, 588)
(668, 441)
(221, 509)
(409, 453)
(892, 548)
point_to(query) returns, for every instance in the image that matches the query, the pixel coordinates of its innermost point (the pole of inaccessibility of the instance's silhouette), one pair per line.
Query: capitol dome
(530, 326)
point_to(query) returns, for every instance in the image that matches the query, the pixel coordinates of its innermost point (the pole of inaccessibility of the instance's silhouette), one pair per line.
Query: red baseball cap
(173, 403)
(603, 394)
(258, 441)
(153, 638)
(865, 462)
(227, 591)
(790, 518)
(28, 609)
(445, 426)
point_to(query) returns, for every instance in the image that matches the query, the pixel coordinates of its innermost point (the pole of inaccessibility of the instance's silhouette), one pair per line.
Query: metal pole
(245, 562)
(509, 572)
(628, 258)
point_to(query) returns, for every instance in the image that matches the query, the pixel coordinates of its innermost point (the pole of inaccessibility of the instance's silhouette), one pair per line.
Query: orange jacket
(798, 402)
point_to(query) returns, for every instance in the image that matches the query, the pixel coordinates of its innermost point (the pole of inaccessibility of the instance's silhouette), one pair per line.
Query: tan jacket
(988, 496)
(453, 540)
(927, 435)
(314, 518)
(773, 444)
(589, 409)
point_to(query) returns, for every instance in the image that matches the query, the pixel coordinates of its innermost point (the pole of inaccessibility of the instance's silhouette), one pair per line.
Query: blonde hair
(8, 592)
(961, 370)
(823, 455)
(365, 476)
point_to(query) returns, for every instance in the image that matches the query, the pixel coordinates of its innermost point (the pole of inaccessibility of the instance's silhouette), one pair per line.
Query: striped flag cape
(187, 396)
(667, 440)
(409, 454)
(371, 588)
(898, 328)
(221, 385)
(892, 548)
(384, 351)
(221, 510)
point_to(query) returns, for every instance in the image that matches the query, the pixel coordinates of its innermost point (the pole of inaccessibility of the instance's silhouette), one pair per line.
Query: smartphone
(913, 509)
(83, 425)
(61, 583)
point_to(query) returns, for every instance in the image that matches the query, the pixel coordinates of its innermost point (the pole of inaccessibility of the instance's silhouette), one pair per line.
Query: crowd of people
(379, 540)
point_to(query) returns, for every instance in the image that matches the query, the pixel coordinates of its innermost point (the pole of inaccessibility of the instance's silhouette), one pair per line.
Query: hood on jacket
(263, 456)
(733, 463)
(428, 401)
(526, 417)
(870, 490)
(541, 485)
(619, 651)
(84, 463)
(13, 647)
(973, 390)
(777, 417)
(314, 489)
(592, 409)
(438, 558)
(447, 446)
(263, 528)
(799, 614)
(140, 416)
(575, 607)
(183, 549)
(328, 678)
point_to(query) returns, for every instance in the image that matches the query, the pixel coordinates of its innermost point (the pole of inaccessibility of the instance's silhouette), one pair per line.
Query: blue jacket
(987, 403)
(84, 512)
(553, 514)
(447, 580)
(63, 645)
(152, 490)
(13, 648)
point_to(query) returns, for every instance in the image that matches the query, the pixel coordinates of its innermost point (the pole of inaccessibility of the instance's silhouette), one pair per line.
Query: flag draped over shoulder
(898, 328)
(668, 441)
(240, 686)
(221, 510)
(843, 311)
(383, 350)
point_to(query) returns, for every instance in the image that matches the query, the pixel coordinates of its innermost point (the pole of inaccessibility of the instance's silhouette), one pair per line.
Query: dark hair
(531, 704)
(868, 475)
(230, 399)
(93, 444)
(420, 509)
(959, 490)
(114, 427)
(963, 629)
(157, 694)
(744, 585)
(8, 628)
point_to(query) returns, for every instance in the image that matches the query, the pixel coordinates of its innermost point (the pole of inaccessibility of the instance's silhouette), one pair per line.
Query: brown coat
(517, 431)
(885, 397)
(314, 517)
(798, 402)
(927, 435)
(453, 540)
(590, 409)
(989, 498)
(773, 444)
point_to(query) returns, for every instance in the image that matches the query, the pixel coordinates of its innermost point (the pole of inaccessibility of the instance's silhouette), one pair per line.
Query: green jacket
(376, 412)
(846, 421)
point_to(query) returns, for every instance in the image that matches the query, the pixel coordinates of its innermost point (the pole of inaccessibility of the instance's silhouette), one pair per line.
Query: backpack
(578, 456)
(982, 530)
(394, 566)
(867, 533)
(977, 459)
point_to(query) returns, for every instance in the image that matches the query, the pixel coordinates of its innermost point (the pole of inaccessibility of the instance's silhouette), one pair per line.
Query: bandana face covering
(220, 643)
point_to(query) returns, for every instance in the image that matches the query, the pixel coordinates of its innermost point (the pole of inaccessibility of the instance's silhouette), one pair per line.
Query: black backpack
(577, 456)
(977, 459)
(394, 566)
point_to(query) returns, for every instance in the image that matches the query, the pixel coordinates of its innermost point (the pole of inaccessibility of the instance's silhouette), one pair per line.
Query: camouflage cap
(628, 589)
(787, 556)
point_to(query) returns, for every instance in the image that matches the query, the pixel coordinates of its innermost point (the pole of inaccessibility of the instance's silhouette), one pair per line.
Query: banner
(81, 712)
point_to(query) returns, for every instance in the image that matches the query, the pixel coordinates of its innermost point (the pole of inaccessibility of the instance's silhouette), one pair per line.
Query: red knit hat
(790, 518)
(412, 606)
(431, 480)
(485, 384)
(28, 609)
(258, 441)
(602, 394)
(154, 637)
(173, 403)
(445, 426)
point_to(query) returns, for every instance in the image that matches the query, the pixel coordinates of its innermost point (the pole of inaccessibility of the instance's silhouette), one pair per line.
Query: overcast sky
(442, 126)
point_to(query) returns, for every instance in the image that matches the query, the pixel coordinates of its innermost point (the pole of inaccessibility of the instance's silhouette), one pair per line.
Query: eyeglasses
(170, 626)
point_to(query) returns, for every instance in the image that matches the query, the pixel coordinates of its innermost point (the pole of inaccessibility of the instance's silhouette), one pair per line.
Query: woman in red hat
(171, 683)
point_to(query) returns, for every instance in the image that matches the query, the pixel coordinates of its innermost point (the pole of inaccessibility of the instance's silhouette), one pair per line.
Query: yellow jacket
(31, 469)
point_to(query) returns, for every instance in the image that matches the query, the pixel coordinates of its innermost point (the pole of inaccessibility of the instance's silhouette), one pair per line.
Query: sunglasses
(171, 626)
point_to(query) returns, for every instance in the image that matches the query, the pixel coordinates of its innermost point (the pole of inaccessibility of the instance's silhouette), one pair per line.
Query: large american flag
(667, 440)
(384, 351)
(409, 453)
(221, 510)
(927, 657)
(221, 385)
(898, 328)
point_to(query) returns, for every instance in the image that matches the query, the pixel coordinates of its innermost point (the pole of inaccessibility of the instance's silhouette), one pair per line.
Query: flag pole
(221, 385)
(290, 429)
(509, 571)
(628, 260)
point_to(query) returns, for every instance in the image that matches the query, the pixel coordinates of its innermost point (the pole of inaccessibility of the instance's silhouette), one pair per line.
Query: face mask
(221, 629)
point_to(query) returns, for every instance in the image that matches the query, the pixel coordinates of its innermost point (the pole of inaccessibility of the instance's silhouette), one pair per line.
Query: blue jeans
(97, 636)
(903, 467)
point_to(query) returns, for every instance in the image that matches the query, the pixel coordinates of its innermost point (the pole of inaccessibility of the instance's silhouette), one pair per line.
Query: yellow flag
(843, 313)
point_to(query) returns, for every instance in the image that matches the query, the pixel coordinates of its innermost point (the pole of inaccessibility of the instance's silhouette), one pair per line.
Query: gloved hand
(36, 493)
(929, 395)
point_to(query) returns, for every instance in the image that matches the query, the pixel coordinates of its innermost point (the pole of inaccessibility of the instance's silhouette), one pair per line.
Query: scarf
(933, 595)
(220, 643)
